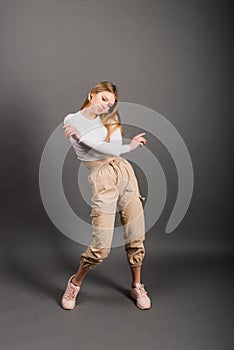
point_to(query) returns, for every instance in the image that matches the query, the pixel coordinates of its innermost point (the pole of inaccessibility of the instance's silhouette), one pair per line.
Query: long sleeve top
(91, 145)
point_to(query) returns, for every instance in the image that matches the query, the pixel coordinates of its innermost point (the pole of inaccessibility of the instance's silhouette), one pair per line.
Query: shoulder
(70, 116)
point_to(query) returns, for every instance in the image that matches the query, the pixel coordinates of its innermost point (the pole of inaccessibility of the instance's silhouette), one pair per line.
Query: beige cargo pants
(113, 183)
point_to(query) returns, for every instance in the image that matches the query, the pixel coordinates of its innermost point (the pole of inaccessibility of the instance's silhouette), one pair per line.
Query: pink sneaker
(69, 297)
(139, 293)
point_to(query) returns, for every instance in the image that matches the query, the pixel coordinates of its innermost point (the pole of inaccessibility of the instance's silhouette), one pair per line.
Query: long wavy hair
(111, 119)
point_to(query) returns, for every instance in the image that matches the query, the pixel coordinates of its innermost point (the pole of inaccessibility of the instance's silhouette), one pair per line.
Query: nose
(106, 105)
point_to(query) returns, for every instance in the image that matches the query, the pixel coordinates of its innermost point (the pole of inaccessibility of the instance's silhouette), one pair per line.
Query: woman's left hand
(71, 131)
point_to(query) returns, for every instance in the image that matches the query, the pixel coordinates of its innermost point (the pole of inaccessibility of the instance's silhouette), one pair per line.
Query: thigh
(131, 208)
(131, 192)
(104, 191)
(104, 203)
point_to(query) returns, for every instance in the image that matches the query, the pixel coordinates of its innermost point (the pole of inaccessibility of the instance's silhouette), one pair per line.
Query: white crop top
(91, 145)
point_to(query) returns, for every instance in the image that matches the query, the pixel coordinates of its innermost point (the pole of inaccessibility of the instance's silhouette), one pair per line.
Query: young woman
(95, 132)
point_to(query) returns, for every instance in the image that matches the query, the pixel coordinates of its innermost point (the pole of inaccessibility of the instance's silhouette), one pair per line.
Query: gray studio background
(171, 56)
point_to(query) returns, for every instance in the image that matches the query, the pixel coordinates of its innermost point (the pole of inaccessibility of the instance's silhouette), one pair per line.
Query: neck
(87, 114)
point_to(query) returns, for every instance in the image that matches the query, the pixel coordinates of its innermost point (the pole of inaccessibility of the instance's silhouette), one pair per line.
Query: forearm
(114, 147)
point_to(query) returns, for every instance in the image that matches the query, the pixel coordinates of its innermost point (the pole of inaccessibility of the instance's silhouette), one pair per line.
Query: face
(101, 102)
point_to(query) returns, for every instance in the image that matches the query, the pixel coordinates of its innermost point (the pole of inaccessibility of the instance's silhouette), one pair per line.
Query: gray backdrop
(174, 57)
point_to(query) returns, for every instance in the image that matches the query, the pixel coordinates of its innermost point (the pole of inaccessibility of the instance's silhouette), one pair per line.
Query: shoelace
(142, 290)
(70, 293)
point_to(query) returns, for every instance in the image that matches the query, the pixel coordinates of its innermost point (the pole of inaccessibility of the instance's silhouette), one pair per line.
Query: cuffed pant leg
(92, 257)
(135, 252)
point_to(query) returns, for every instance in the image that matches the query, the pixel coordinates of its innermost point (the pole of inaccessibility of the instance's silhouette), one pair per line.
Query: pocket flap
(95, 212)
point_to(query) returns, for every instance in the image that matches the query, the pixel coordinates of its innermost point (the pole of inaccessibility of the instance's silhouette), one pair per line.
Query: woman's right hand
(71, 131)
(137, 140)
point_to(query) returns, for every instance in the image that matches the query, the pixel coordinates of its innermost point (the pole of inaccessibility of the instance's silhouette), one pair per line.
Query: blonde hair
(111, 119)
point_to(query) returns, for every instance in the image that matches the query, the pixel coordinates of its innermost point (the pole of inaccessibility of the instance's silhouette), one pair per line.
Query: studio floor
(191, 294)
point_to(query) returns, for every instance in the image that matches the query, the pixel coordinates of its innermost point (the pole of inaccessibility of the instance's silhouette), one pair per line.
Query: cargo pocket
(96, 216)
(130, 189)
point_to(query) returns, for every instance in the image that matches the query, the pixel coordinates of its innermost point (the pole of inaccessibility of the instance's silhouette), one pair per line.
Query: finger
(72, 133)
(142, 139)
(66, 133)
(138, 136)
(72, 128)
(67, 129)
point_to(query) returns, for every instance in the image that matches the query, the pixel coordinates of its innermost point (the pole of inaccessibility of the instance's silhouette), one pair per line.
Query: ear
(90, 96)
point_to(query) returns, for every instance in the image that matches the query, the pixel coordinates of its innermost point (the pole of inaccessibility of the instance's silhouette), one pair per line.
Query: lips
(100, 109)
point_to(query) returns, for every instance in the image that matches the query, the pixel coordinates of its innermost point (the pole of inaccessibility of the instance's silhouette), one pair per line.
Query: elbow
(117, 154)
(67, 117)
(114, 153)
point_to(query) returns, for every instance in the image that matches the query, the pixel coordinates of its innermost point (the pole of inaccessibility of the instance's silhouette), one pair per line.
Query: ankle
(75, 282)
(134, 284)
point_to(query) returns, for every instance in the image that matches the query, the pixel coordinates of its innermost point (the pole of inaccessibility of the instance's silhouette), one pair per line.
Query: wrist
(75, 137)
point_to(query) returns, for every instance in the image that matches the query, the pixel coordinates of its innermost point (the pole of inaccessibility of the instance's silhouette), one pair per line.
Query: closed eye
(105, 99)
